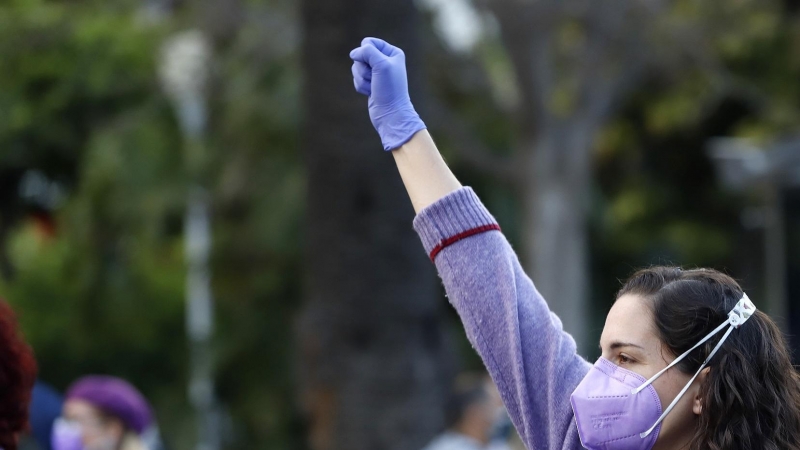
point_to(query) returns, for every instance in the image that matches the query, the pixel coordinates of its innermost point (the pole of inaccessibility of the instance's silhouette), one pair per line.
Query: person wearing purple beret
(105, 413)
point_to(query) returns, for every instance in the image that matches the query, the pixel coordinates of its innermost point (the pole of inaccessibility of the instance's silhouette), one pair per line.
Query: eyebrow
(617, 345)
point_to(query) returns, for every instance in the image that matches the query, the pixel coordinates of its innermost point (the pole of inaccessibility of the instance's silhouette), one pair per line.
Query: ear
(697, 402)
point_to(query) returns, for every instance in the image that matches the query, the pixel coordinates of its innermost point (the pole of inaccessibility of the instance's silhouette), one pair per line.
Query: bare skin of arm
(423, 170)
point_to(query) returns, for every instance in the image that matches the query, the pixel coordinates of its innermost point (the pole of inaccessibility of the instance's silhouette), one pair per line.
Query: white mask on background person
(66, 435)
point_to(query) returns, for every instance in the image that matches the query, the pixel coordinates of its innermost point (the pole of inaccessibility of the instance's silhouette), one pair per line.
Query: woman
(17, 376)
(104, 413)
(687, 361)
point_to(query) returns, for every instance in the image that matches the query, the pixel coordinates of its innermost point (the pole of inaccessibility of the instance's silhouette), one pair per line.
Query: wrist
(399, 127)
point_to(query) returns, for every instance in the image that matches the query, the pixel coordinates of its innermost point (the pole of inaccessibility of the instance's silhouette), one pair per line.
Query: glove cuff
(398, 127)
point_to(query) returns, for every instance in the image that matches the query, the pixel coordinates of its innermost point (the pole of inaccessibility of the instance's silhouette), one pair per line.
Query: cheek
(89, 438)
(669, 385)
(93, 436)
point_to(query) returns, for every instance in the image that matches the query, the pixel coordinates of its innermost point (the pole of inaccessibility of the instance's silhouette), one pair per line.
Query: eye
(624, 359)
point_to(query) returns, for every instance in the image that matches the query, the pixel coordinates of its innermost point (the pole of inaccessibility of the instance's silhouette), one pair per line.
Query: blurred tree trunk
(372, 356)
(555, 246)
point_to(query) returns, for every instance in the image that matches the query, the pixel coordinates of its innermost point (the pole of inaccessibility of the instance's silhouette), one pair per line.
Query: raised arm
(529, 356)
(379, 72)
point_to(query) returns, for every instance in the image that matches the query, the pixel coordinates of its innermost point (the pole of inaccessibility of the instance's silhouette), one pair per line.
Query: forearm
(425, 174)
(523, 345)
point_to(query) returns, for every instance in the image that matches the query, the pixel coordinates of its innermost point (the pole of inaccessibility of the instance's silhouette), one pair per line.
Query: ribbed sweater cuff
(455, 216)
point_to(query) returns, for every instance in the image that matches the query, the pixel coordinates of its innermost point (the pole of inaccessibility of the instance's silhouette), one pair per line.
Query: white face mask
(738, 315)
(68, 435)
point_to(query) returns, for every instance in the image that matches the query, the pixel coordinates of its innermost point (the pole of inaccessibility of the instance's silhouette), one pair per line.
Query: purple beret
(116, 397)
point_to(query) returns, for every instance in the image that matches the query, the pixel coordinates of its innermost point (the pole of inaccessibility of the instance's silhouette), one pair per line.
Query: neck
(676, 443)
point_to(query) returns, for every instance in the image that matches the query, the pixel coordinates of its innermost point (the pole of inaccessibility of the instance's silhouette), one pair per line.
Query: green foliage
(80, 100)
(105, 294)
(660, 201)
(67, 67)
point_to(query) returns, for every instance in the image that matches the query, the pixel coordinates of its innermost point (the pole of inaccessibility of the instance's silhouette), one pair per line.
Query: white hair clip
(742, 311)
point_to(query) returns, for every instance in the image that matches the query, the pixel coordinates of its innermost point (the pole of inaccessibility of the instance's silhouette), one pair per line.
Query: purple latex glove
(379, 71)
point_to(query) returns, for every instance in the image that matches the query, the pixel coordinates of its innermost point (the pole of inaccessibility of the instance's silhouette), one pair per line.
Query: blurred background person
(474, 416)
(105, 413)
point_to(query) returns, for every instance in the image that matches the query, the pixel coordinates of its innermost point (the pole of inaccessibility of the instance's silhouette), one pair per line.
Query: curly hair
(17, 376)
(751, 396)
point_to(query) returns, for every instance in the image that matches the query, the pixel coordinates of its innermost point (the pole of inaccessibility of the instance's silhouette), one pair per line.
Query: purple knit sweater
(530, 357)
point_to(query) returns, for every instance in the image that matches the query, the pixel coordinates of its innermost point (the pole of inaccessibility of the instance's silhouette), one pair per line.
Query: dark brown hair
(751, 396)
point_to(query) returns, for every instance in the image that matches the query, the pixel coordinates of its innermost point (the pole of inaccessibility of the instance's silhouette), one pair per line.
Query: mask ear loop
(680, 358)
(689, 384)
(738, 315)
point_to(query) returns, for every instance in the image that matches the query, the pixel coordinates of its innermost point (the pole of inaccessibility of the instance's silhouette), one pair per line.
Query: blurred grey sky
(457, 21)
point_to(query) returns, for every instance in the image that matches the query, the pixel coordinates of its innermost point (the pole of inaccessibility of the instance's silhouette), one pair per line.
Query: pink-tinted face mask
(608, 415)
(616, 409)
